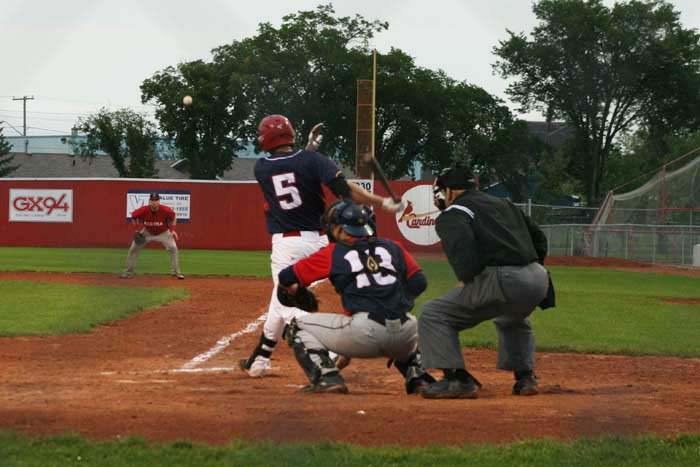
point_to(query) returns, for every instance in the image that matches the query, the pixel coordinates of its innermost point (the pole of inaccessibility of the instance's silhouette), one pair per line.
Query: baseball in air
(187, 100)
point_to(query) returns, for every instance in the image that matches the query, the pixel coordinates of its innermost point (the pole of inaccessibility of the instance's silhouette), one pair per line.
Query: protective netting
(668, 198)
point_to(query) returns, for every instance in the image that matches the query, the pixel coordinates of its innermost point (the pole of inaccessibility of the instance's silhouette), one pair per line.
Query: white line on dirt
(222, 343)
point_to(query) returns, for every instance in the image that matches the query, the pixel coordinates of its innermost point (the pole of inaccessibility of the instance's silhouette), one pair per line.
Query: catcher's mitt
(303, 299)
(139, 238)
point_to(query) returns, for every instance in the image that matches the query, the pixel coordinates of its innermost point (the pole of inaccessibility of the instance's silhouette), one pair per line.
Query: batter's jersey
(362, 286)
(155, 222)
(291, 183)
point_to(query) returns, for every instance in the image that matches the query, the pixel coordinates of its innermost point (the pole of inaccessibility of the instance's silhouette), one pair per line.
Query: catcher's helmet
(275, 131)
(351, 217)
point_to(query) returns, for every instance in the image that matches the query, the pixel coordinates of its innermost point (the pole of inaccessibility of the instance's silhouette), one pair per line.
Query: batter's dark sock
(263, 349)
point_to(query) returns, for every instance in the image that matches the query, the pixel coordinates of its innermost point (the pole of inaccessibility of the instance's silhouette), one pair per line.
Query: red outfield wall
(223, 215)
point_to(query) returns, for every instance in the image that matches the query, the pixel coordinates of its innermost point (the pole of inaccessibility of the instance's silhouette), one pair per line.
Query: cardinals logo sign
(417, 221)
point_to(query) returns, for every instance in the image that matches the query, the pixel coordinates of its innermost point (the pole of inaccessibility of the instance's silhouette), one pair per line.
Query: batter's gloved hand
(390, 205)
(302, 298)
(139, 238)
(315, 138)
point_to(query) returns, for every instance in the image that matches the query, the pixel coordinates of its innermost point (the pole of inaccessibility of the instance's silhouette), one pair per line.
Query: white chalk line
(225, 341)
(221, 344)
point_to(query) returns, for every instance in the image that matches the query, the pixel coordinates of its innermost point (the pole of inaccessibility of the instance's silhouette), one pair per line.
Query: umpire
(497, 254)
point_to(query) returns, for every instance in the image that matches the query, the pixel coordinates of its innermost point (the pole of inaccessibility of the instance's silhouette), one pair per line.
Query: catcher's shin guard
(263, 349)
(316, 363)
(414, 374)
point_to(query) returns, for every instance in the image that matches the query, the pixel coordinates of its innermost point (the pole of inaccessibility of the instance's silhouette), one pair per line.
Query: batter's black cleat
(328, 384)
(525, 385)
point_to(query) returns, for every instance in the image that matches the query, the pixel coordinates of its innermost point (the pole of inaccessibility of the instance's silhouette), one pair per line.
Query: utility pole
(25, 99)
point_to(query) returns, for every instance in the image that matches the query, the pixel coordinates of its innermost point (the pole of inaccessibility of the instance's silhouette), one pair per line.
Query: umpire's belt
(381, 319)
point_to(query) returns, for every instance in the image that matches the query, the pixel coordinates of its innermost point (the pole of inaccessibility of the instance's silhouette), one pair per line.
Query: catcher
(377, 280)
(158, 226)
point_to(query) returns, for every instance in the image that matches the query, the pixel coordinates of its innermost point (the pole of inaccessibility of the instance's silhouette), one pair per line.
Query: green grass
(602, 311)
(40, 308)
(151, 261)
(599, 311)
(17, 450)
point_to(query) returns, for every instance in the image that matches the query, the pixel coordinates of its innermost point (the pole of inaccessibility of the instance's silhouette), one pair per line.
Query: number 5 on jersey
(287, 194)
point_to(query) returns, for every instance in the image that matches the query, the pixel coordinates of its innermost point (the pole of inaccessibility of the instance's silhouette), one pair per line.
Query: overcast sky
(76, 56)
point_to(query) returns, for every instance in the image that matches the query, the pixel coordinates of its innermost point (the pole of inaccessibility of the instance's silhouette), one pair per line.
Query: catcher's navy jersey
(291, 183)
(386, 289)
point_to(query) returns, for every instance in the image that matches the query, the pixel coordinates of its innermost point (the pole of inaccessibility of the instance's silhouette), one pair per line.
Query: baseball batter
(378, 281)
(291, 181)
(158, 226)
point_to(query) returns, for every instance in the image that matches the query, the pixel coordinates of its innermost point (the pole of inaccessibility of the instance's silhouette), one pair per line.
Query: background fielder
(291, 181)
(158, 226)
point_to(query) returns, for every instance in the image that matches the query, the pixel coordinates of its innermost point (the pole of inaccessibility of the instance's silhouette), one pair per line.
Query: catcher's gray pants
(166, 239)
(507, 295)
(357, 336)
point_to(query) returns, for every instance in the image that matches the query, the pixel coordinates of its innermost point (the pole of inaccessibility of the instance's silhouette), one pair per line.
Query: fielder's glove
(303, 298)
(139, 238)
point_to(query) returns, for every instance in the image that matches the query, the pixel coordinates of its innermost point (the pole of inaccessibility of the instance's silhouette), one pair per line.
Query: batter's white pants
(285, 252)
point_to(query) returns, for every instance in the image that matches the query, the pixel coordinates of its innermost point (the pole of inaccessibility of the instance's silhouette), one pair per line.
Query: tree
(603, 70)
(5, 160)
(125, 136)
(207, 132)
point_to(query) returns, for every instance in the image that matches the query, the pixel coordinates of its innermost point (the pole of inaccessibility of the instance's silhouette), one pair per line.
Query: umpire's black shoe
(451, 388)
(526, 385)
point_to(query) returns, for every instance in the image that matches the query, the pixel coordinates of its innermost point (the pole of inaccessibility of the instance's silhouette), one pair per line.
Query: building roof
(69, 166)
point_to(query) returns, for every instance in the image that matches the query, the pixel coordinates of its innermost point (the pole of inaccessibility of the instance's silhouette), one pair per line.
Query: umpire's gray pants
(507, 295)
(357, 336)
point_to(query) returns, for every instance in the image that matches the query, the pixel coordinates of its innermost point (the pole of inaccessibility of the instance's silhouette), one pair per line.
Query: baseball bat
(379, 172)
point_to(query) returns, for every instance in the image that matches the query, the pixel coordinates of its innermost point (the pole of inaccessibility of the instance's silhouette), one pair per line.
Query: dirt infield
(169, 373)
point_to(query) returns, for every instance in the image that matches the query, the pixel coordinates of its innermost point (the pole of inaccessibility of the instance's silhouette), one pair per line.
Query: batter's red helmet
(275, 131)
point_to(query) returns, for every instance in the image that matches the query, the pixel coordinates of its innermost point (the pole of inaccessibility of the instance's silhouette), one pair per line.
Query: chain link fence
(667, 244)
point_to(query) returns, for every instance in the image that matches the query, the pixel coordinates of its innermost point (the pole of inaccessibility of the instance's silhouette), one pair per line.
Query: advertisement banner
(41, 205)
(178, 200)
(417, 221)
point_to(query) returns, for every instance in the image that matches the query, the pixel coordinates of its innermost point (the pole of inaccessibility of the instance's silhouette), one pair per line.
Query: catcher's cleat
(257, 368)
(328, 384)
(526, 386)
(341, 361)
